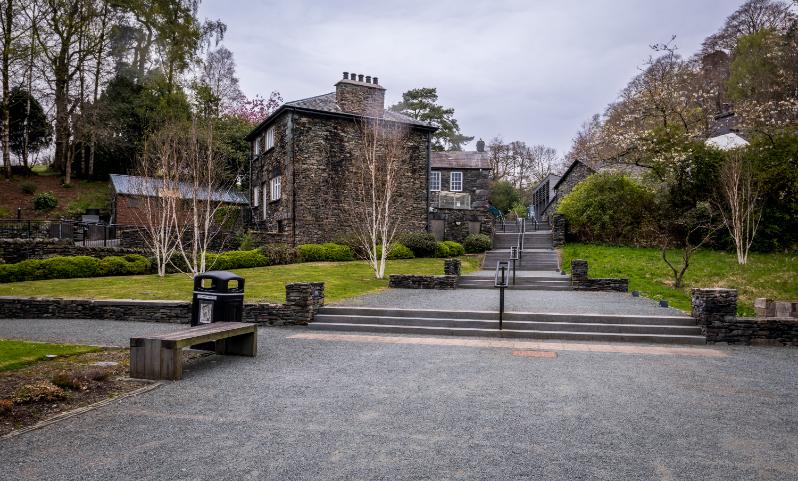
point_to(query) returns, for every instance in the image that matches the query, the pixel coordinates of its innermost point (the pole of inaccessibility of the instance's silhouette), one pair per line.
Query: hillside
(20, 191)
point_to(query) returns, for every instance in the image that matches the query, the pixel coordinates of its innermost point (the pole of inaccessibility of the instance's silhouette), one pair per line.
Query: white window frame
(265, 192)
(269, 138)
(452, 182)
(435, 181)
(276, 187)
(256, 196)
(256, 147)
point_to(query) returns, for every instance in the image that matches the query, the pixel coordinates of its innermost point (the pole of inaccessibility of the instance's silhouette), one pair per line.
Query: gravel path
(102, 333)
(320, 409)
(515, 301)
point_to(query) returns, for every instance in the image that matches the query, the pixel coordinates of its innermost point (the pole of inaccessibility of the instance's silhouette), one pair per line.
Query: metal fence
(85, 234)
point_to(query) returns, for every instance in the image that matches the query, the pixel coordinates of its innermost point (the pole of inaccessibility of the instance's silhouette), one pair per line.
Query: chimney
(360, 97)
(480, 145)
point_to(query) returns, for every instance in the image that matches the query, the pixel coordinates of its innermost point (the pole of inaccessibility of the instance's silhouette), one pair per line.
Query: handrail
(501, 280)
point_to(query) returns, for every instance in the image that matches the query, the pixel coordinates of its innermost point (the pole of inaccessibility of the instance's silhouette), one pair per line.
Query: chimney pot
(360, 77)
(368, 79)
(480, 145)
(375, 81)
(346, 75)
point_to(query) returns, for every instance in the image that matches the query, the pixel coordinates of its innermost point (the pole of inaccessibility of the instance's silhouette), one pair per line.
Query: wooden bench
(160, 356)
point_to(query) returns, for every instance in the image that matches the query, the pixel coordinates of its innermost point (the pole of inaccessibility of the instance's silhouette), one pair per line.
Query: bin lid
(220, 280)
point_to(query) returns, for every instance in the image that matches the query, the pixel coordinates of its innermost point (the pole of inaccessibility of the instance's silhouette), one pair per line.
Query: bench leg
(145, 358)
(243, 345)
(171, 363)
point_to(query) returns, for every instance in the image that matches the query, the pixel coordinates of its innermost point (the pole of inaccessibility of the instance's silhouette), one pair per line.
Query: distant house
(129, 191)
(543, 194)
(460, 180)
(576, 173)
(725, 134)
(303, 164)
(459, 186)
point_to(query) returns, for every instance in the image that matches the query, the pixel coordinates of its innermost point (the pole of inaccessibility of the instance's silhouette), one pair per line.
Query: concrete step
(396, 312)
(510, 333)
(519, 288)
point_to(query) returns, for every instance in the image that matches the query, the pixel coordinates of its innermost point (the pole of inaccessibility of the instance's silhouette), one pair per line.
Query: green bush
(503, 195)
(397, 251)
(245, 242)
(236, 260)
(455, 248)
(279, 254)
(325, 252)
(477, 243)
(28, 188)
(423, 244)
(74, 266)
(607, 207)
(45, 201)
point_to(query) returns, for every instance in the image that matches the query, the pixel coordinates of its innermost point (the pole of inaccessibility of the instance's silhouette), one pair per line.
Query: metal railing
(501, 280)
(81, 233)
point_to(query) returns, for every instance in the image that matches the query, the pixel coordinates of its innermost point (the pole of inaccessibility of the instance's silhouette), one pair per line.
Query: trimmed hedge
(279, 254)
(74, 266)
(397, 251)
(423, 244)
(477, 243)
(325, 252)
(449, 249)
(236, 260)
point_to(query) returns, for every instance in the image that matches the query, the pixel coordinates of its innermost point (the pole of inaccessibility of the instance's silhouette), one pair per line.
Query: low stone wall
(462, 222)
(404, 281)
(451, 267)
(580, 281)
(770, 308)
(303, 300)
(558, 230)
(18, 250)
(716, 313)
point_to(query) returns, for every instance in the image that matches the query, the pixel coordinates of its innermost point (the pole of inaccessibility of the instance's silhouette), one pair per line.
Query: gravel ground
(514, 301)
(316, 409)
(101, 333)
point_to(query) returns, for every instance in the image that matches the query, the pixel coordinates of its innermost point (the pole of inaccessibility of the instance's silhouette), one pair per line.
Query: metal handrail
(501, 280)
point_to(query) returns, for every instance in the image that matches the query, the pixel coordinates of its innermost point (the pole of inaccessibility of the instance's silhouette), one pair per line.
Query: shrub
(131, 264)
(6, 405)
(75, 266)
(423, 244)
(236, 260)
(41, 391)
(455, 248)
(69, 380)
(278, 254)
(441, 250)
(397, 251)
(245, 242)
(503, 195)
(28, 188)
(607, 207)
(477, 243)
(45, 201)
(325, 252)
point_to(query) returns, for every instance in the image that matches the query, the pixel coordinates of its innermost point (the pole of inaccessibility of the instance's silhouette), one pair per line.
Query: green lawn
(342, 280)
(16, 354)
(767, 275)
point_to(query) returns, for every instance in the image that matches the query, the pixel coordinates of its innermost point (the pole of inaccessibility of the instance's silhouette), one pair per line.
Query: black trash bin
(218, 297)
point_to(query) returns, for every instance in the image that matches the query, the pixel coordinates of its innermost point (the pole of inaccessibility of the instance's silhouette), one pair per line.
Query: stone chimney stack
(356, 95)
(480, 145)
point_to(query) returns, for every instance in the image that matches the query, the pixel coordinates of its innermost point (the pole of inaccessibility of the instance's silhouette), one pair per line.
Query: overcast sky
(525, 70)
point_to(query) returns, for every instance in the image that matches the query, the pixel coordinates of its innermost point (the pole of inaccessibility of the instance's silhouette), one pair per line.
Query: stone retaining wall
(18, 250)
(303, 300)
(580, 281)
(558, 230)
(404, 281)
(716, 313)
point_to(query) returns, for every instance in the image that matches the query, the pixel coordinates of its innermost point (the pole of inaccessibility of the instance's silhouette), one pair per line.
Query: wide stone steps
(583, 327)
(521, 283)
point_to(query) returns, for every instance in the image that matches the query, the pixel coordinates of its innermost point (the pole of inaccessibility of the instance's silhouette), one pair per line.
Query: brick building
(303, 159)
(128, 192)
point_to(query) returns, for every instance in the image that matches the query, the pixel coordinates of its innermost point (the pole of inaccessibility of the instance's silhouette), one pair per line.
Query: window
(256, 147)
(456, 181)
(270, 138)
(265, 199)
(256, 196)
(435, 181)
(276, 187)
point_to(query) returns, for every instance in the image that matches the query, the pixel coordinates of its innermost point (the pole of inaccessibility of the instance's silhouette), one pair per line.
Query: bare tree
(383, 147)
(158, 189)
(501, 161)
(740, 202)
(687, 232)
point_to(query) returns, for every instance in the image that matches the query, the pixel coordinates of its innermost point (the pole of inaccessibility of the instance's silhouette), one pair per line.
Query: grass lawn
(16, 354)
(342, 280)
(773, 276)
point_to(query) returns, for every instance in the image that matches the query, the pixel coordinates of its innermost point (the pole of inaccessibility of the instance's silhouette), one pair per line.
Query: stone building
(304, 156)
(576, 173)
(459, 190)
(543, 194)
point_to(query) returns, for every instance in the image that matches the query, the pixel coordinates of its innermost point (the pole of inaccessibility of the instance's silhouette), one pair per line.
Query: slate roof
(460, 160)
(327, 103)
(149, 187)
(569, 169)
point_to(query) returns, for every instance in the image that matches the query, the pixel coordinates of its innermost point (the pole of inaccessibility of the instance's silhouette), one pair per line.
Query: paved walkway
(569, 302)
(340, 409)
